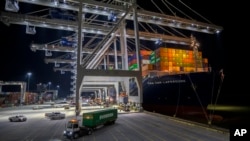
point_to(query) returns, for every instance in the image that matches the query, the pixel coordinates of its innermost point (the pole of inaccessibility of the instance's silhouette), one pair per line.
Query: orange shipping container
(200, 69)
(162, 54)
(145, 52)
(176, 69)
(189, 69)
(150, 67)
(170, 55)
(205, 60)
(163, 68)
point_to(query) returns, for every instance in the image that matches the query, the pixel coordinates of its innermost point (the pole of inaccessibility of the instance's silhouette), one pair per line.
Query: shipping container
(100, 117)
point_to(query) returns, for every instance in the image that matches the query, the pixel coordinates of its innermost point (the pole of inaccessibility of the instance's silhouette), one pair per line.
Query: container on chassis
(100, 117)
(89, 121)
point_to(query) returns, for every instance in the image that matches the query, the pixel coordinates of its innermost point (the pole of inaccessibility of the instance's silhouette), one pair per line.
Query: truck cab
(75, 130)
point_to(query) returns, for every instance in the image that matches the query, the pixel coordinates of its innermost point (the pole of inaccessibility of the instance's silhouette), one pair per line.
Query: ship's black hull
(182, 95)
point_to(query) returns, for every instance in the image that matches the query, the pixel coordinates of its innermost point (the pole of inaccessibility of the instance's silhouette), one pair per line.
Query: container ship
(176, 82)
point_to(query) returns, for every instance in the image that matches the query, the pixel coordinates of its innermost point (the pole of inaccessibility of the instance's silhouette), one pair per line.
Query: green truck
(89, 121)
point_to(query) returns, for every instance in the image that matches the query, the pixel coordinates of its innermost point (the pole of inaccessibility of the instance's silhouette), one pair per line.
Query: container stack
(132, 60)
(170, 60)
(15, 98)
(177, 60)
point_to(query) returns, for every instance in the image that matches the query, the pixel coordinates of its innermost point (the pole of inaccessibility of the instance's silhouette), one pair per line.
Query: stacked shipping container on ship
(132, 60)
(170, 60)
(178, 60)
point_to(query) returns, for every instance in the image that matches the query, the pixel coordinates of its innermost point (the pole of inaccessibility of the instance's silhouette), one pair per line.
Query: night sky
(227, 51)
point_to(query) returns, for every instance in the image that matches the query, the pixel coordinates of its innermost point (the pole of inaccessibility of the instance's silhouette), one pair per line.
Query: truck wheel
(90, 131)
(75, 136)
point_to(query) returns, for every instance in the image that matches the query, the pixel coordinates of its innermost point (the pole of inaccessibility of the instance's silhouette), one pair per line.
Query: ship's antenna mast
(195, 45)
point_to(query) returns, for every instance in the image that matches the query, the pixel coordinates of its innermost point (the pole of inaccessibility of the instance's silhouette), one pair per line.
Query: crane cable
(195, 11)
